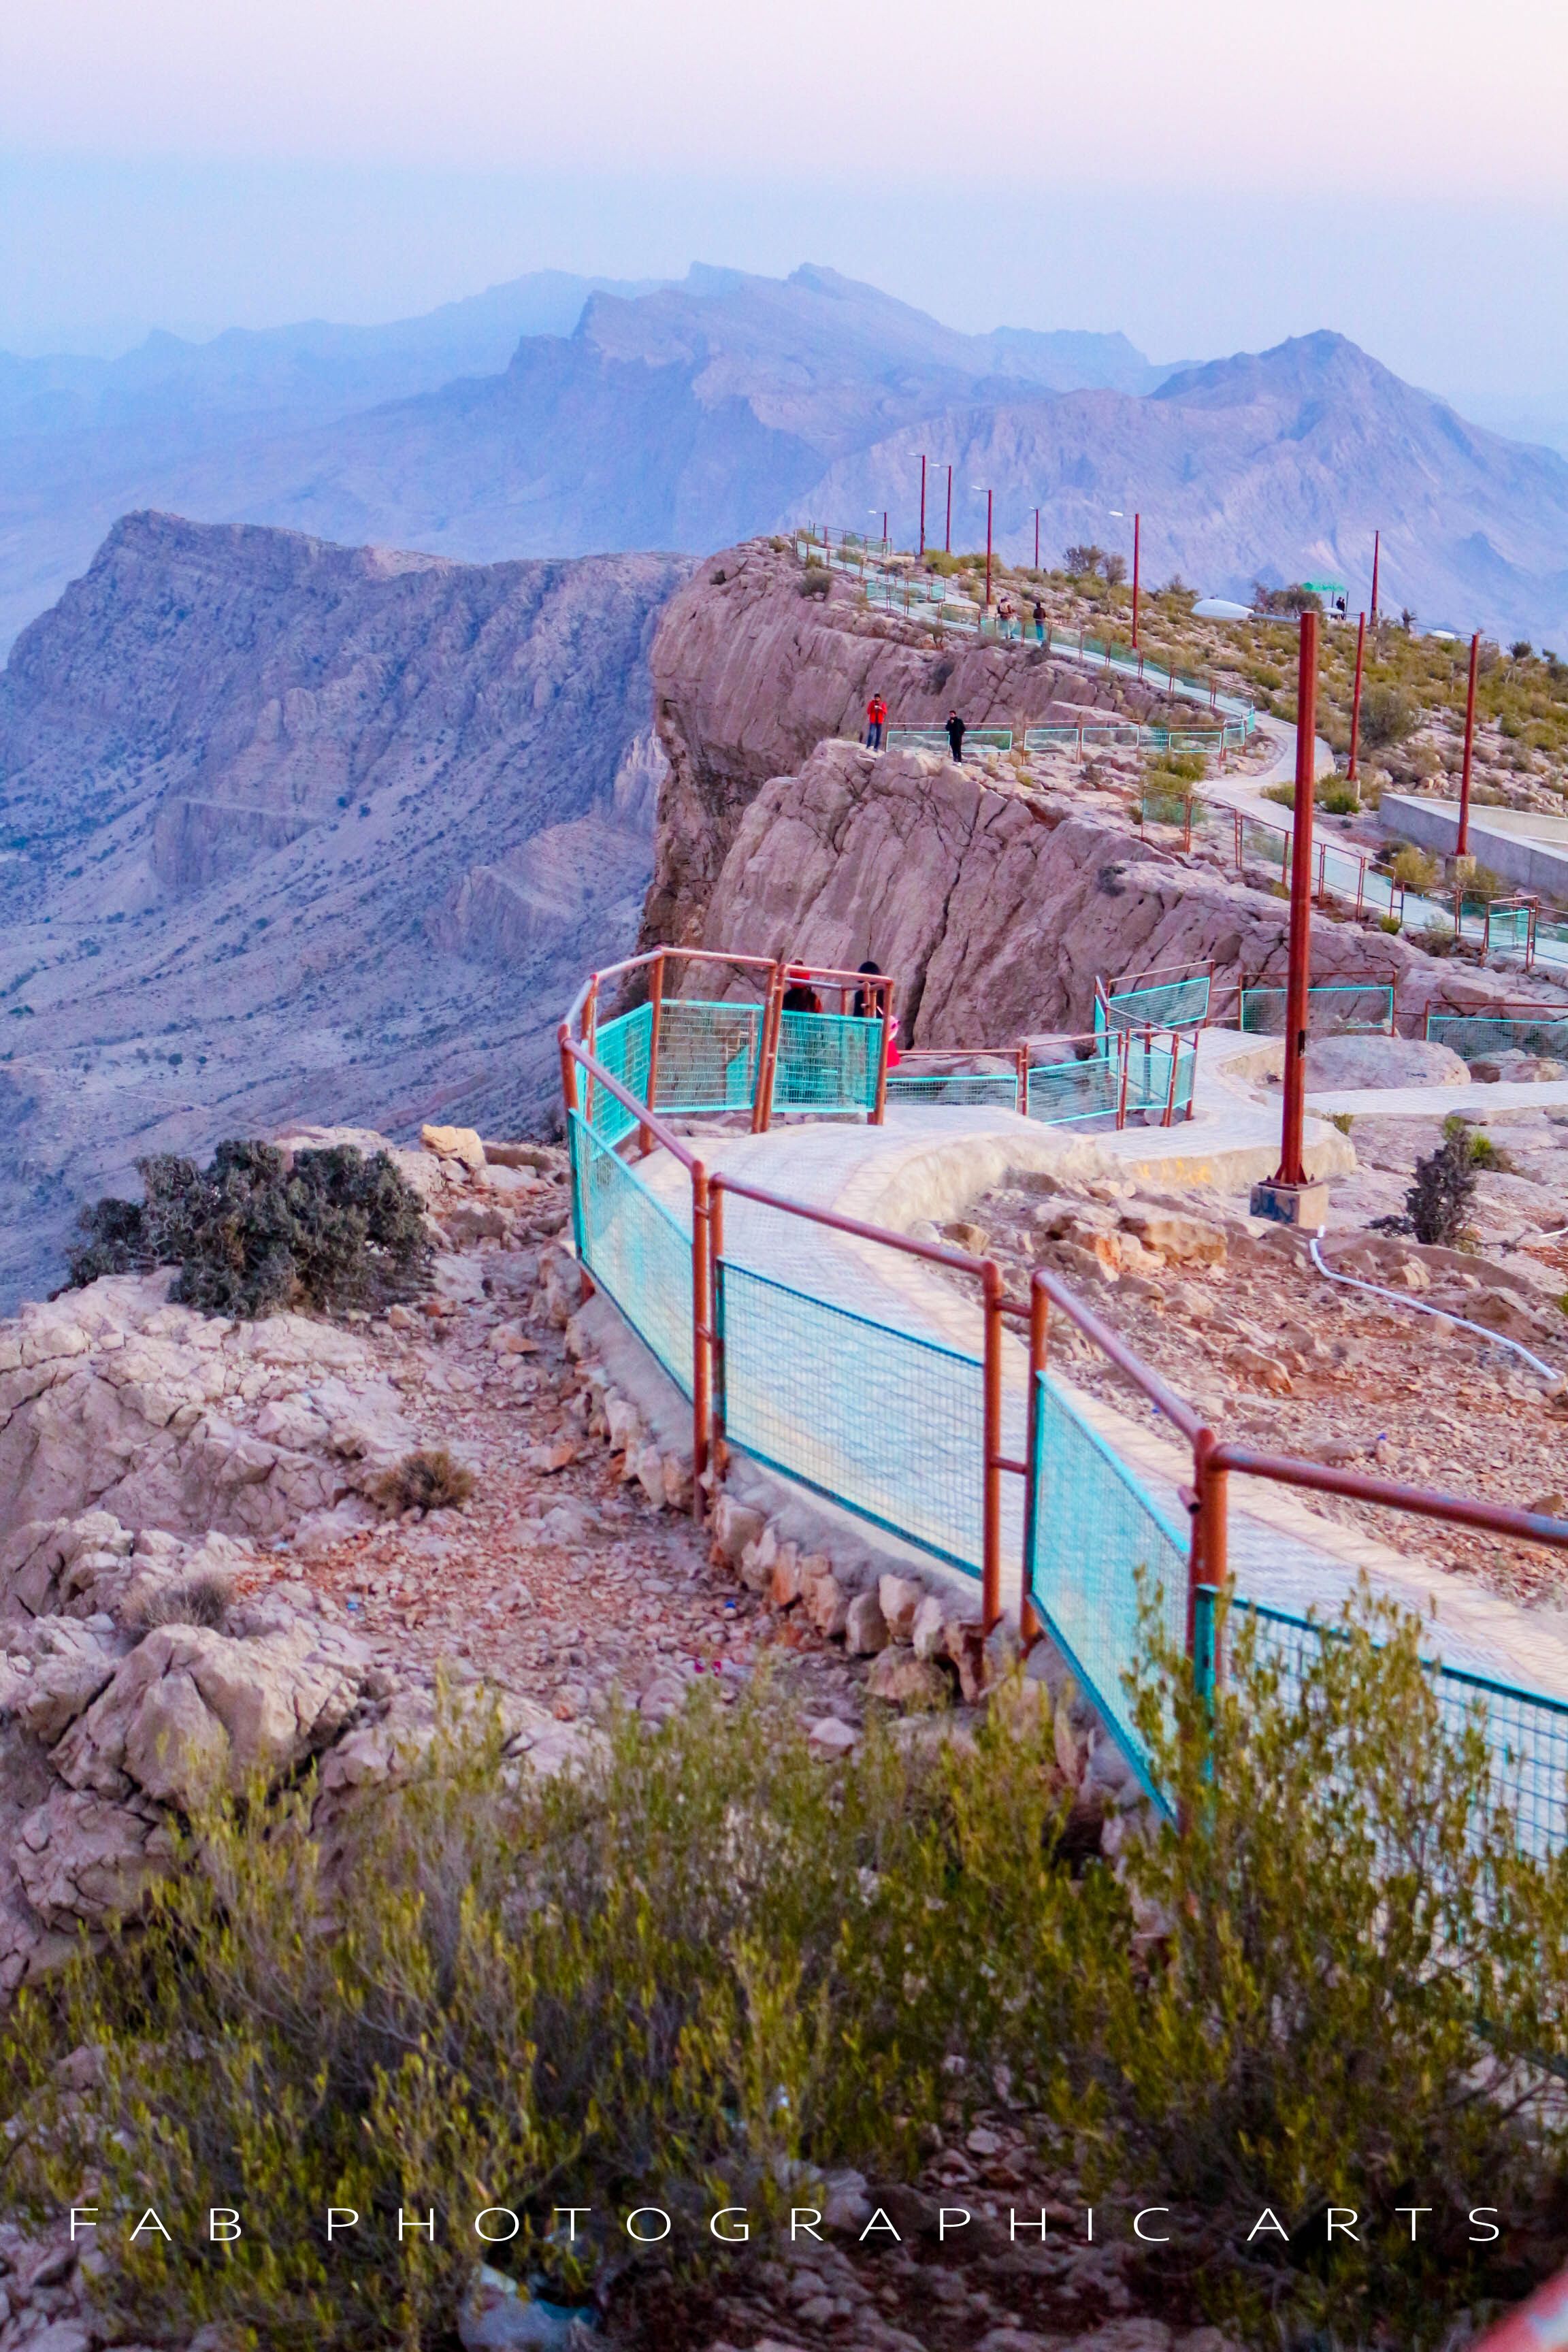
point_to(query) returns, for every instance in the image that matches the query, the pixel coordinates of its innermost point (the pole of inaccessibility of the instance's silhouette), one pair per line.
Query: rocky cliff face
(997, 905)
(289, 830)
(750, 675)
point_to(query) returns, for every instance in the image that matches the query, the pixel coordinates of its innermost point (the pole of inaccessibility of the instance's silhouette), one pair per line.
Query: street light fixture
(987, 606)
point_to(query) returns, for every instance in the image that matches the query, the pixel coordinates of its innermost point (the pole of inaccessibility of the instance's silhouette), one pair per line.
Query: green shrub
(1387, 716)
(1340, 800)
(253, 1234)
(1284, 794)
(816, 580)
(1389, 923)
(1437, 1206)
(709, 1959)
(1413, 869)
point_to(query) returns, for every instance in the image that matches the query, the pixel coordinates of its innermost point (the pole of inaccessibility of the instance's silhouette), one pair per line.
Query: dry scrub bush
(255, 1233)
(711, 1965)
(430, 1479)
(189, 1600)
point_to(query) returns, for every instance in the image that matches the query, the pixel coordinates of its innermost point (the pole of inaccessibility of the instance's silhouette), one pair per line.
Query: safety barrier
(1095, 733)
(1120, 1073)
(1332, 1011)
(1525, 1029)
(934, 738)
(918, 1436)
(1171, 996)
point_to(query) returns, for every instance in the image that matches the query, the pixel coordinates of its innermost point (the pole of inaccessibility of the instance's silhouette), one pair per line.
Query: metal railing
(911, 1433)
(1534, 1029)
(1134, 1071)
(1336, 1009)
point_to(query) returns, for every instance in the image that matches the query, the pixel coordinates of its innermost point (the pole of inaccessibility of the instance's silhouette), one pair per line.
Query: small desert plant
(1389, 923)
(1437, 1206)
(1343, 1119)
(254, 1233)
(1435, 936)
(1413, 869)
(431, 1479)
(1340, 800)
(1387, 716)
(189, 1600)
(1483, 1151)
(816, 580)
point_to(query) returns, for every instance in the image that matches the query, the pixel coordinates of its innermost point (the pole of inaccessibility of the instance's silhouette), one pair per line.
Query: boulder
(865, 1627)
(460, 1143)
(899, 1597)
(1377, 1061)
(192, 1710)
(826, 1602)
(901, 1679)
(81, 1857)
(1183, 1239)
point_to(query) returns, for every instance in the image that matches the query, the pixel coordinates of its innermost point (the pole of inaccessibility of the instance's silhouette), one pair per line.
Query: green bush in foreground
(255, 1233)
(712, 1961)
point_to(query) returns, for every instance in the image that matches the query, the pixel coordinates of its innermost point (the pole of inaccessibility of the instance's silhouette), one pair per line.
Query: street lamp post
(1355, 696)
(1376, 552)
(1462, 846)
(987, 551)
(922, 504)
(1288, 1198)
(1036, 539)
(947, 542)
(1137, 532)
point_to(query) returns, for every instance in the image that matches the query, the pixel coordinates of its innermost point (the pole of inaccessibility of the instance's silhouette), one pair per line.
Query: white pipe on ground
(1402, 1299)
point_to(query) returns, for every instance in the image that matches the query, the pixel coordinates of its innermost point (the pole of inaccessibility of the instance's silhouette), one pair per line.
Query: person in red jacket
(876, 721)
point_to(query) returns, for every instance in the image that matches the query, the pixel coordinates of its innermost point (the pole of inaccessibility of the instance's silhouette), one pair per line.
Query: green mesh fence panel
(1050, 739)
(1526, 1732)
(1093, 1530)
(1265, 844)
(887, 1425)
(1127, 737)
(1331, 1011)
(707, 1055)
(634, 1248)
(958, 1089)
(934, 738)
(1060, 1092)
(828, 1061)
(621, 1046)
(1509, 927)
(1472, 1036)
(1160, 1076)
(1164, 1004)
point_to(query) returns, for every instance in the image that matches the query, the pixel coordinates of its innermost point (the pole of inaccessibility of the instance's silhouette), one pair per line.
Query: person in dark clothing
(801, 999)
(955, 736)
(1039, 622)
(864, 1001)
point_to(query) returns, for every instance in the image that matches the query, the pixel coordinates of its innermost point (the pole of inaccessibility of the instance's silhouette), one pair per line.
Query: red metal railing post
(568, 1072)
(1209, 1560)
(990, 1490)
(947, 542)
(1137, 536)
(701, 1335)
(718, 1452)
(1355, 696)
(1021, 1079)
(1376, 552)
(763, 1102)
(645, 1134)
(880, 1112)
(1298, 972)
(1462, 846)
(1029, 1626)
(922, 504)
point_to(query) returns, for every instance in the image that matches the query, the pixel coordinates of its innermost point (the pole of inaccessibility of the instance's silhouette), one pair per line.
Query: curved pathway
(926, 1162)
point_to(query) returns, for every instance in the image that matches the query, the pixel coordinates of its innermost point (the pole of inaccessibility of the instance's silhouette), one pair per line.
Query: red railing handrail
(1426, 1502)
(936, 1252)
(587, 1060)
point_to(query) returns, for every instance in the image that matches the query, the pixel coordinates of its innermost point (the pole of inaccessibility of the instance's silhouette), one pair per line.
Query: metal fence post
(645, 1134)
(991, 1489)
(717, 1454)
(763, 1103)
(880, 1110)
(701, 1333)
(1029, 1626)
(1208, 1560)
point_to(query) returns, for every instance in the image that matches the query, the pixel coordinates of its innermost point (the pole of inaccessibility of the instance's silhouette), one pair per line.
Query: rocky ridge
(295, 831)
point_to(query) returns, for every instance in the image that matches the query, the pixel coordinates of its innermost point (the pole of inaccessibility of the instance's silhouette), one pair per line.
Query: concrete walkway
(876, 1394)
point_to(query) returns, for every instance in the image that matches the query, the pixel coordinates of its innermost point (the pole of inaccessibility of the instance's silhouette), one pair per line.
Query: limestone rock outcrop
(111, 1397)
(996, 907)
(750, 676)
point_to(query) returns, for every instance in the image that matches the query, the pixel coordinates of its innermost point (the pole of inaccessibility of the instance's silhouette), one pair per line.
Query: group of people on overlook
(876, 727)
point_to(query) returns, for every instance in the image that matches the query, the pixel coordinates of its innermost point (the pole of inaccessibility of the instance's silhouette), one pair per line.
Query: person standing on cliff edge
(876, 720)
(955, 736)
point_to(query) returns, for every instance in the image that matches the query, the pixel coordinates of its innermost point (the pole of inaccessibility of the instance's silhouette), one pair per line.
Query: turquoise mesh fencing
(1331, 1011)
(1060, 1092)
(955, 1089)
(1526, 1732)
(934, 738)
(891, 1425)
(634, 1248)
(1160, 1075)
(707, 1055)
(1092, 1530)
(1472, 1036)
(621, 1046)
(826, 1061)
(1164, 1004)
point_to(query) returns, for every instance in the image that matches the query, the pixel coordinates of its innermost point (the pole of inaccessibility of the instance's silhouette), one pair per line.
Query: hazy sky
(1207, 180)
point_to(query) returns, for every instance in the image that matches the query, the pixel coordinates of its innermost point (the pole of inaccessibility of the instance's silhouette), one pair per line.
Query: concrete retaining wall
(1531, 862)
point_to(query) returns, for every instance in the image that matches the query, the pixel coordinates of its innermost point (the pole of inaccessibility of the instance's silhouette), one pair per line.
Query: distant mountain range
(562, 417)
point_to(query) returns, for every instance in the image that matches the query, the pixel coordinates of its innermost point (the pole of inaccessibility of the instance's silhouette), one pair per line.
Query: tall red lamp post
(1289, 1197)
(1462, 846)
(1355, 696)
(1137, 534)
(922, 503)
